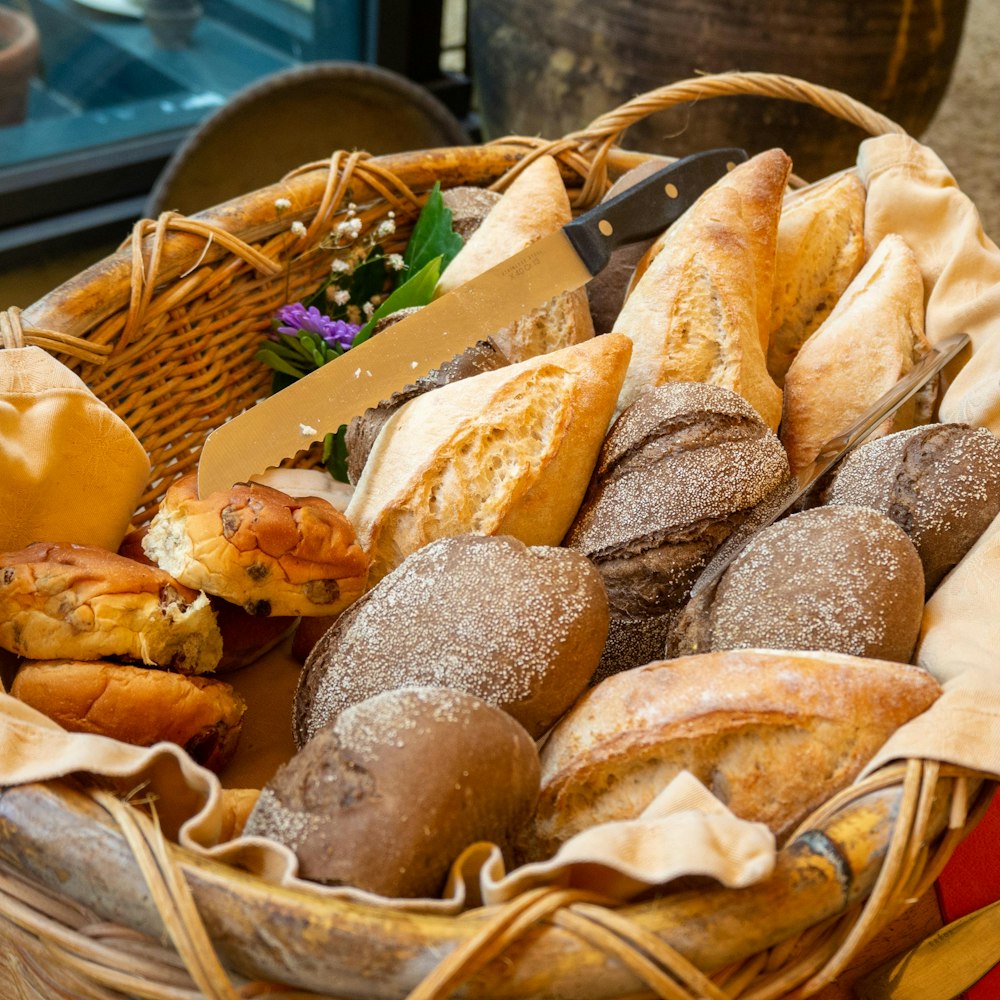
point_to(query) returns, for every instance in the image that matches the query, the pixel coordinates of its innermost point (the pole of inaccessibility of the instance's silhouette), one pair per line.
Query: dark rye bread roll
(771, 733)
(137, 705)
(85, 603)
(388, 794)
(679, 470)
(842, 579)
(940, 483)
(520, 627)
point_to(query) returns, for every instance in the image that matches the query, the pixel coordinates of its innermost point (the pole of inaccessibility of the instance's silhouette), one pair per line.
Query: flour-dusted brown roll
(772, 733)
(505, 452)
(258, 548)
(469, 206)
(843, 579)
(85, 603)
(137, 705)
(520, 627)
(940, 483)
(388, 794)
(679, 471)
(535, 205)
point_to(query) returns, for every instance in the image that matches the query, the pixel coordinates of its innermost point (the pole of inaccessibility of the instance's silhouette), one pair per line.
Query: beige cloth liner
(72, 469)
(686, 830)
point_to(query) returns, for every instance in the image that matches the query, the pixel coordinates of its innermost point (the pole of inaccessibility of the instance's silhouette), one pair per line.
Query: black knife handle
(648, 207)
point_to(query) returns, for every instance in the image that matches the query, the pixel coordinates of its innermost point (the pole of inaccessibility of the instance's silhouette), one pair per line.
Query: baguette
(535, 205)
(507, 452)
(696, 310)
(870, 340)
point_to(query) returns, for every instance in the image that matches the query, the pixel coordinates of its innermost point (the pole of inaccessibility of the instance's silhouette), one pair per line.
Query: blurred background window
(104, 91)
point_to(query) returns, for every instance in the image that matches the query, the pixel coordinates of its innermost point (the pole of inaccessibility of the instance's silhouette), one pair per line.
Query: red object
(971, 880)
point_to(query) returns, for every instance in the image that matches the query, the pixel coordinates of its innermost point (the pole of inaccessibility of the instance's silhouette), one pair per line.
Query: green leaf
(417, 290)
(432, 235)
(278, 363)
(335, 454)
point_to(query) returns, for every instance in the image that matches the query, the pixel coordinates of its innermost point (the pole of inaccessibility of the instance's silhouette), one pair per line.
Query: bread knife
(943, 965)
(829, 456)
(288, 422)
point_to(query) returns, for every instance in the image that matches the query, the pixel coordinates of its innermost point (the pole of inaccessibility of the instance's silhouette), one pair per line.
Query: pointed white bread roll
(535, 205)
(507, 452)
(821, 247)
(771, 733)
(870, 340)
(695, 313)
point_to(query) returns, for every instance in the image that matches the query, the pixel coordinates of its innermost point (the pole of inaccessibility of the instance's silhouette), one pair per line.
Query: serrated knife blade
(288, 422)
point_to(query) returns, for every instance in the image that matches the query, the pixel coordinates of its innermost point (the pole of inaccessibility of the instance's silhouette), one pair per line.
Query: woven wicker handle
(606, 130)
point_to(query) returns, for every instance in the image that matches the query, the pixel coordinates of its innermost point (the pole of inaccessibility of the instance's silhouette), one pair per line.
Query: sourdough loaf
(772, 733)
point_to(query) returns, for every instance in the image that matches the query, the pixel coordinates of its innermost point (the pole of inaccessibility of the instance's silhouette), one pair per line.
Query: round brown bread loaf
(940, 483)
(678, 471)
(773, 734)
(136, 705)
(520, 627)
(263, 550)
(390, 792)
(85, 603)
(844, 579)
(469, 206)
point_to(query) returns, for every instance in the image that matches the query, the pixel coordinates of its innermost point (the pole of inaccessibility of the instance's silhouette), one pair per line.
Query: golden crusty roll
(390, 792)
(137, 705)
(772, 733)
(821, 247)
(507, 452)
(85, 603)
(870, 340)
(704, 289)
(535, 205)
(520, 627)
(258, 548)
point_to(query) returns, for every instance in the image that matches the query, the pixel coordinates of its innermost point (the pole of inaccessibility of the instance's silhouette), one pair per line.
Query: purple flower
(335, 332)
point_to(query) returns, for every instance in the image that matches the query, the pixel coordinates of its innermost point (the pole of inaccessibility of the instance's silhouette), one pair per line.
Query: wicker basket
(95, 903)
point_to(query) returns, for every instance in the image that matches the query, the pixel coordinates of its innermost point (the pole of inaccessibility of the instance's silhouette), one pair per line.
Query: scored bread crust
(507, 452)
(871, 339)
(535, 205)
(258, 548)
(821, 247)
(137, 705)
(82, 602)
(771, 733)
(695, 314)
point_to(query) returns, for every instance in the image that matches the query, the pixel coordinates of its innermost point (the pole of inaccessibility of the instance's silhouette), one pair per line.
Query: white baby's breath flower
(282, 204)
(340, 266)
(385, 228)
(368, 308)
(341, 296)
(395, 261)
(298, 228)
